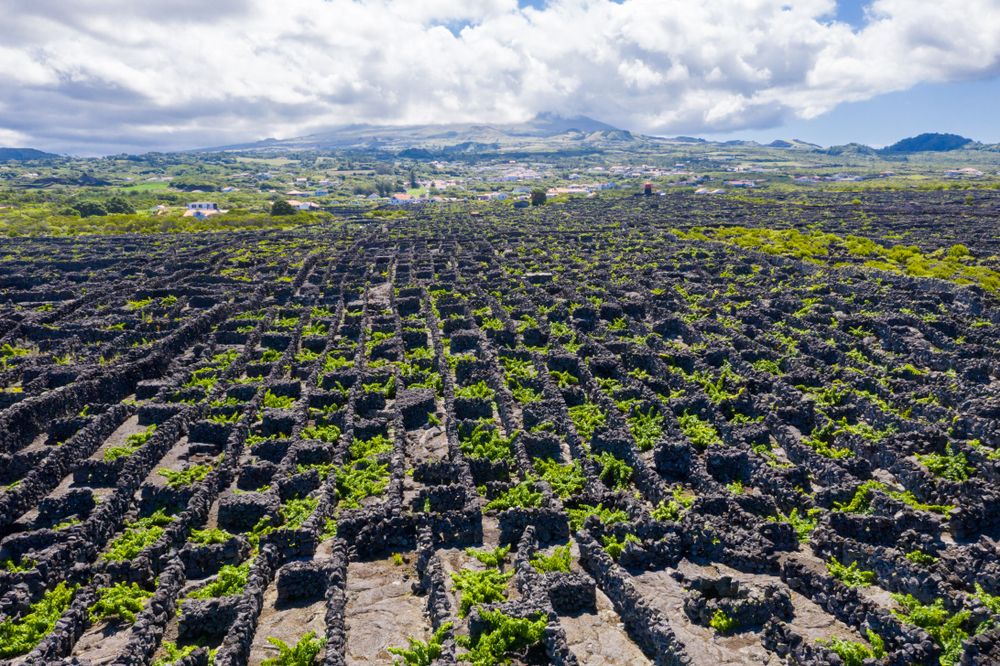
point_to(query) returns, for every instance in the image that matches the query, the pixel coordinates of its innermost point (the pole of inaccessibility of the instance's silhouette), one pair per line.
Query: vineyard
(648, 431)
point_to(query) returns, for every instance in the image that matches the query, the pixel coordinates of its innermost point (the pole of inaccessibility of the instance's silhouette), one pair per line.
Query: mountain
(931, 142)
(797, 144)
(851, 149)
(24, 155)
(546, 132)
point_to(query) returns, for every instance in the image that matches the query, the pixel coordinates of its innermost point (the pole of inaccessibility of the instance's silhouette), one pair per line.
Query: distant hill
(796, 144)
(850, 149)
(24, 155)
(545, 132)
(929, 142)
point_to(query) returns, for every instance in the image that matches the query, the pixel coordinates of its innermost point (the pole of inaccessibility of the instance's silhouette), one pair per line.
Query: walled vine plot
(596, 433)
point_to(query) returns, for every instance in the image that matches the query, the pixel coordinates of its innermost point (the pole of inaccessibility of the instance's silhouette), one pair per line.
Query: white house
(202, 209)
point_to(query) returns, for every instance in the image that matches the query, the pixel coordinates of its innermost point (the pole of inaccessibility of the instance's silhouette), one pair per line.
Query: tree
(538, 197)
(119, 205)
(282, 207)
(90, 209)
(413, 178)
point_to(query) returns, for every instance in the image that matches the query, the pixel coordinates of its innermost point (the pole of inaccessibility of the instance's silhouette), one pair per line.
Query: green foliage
(563, 378)
(949, 465)
(20, 635)
(854, 653)
(375, 445)
(921, 558)
(991, 601)
(768, 366)
(522, 495)
(303, 653)
(701, 432)
(675, 508)
(851, 576)
(230, 581)
(132, 444)
(479, 587)
(478, 390)
(505, 635)
(186, 477)
(565, 480)
(721, 622)
(945, 628)
(419, 653)
(580, 514)
(23, 566)
(646, 428)
(172, 654)
(209, 536)
(587, 417)
(121, 601)
(295, 511)
(823, 248)
(803, 524)
(137, 536)
(324, 433)
(558, 561)
(274, 401)
(486, 442)
(861, 501)
(614, 547)
(616, 473)
(491, 558)
(386, 388)
(359, 480)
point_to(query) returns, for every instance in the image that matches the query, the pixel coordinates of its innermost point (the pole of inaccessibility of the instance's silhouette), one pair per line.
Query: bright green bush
(121, 601)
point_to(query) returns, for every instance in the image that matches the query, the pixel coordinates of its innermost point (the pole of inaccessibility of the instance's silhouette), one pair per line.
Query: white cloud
(94, 75)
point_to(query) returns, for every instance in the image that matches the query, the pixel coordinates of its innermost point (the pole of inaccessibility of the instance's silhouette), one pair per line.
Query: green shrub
(646, 428)
(853, 653)
(522, 495)
(187, 477)
(851, 576)
(587, 417)
(580, 514)
(505, 635)
(295, 511)
(137, 536)
(230, 581)
(614, 547)
(486, 442)
(324, 433)
(274, 401)
(565, 480)
(172, 654)
(20, 635)
(721, 622)
(478, 390)
(132, 444)
(945, 628)
(479, 587)
(616, 473)
(209, 536)
(490, 558)
(804, 525)
(558, 561)
(419, 653)
(701, 432)
(921, 558)
(949, 465)
(675, 508)
(122, 601)
(303, 653)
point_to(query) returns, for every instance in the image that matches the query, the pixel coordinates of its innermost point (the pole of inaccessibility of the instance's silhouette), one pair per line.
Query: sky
(105, 76)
